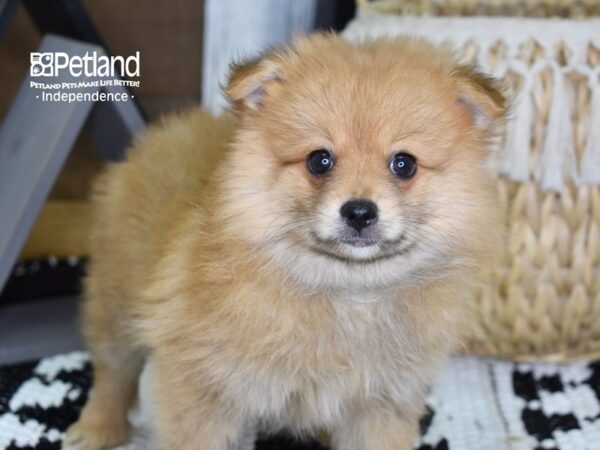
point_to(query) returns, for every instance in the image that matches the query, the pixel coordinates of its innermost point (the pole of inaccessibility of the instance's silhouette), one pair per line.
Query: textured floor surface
(477, 404)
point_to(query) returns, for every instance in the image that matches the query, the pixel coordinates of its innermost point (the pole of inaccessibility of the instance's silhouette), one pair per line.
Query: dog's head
(362, 164)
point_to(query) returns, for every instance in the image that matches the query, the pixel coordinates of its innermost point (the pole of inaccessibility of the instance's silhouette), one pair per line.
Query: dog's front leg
(188, 415)
(376, 430)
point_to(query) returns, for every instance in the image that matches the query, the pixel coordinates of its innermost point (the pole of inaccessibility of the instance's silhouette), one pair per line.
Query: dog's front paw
(96, 435)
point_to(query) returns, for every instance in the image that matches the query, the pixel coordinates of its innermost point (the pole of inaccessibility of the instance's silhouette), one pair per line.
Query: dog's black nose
(359, 213)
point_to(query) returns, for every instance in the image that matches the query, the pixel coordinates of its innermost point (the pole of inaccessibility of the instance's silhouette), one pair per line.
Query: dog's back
(136, 204)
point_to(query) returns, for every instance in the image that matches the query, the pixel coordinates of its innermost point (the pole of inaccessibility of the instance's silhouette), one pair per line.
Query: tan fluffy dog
(305, 266)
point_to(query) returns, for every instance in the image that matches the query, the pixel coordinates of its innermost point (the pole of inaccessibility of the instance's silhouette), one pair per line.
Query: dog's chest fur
(306, 377)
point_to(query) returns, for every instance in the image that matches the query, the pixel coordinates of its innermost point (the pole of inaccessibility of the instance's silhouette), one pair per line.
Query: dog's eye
(403, 165)
(319, 162)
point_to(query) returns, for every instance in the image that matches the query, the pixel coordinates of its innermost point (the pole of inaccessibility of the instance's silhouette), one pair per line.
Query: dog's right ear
(250, 81)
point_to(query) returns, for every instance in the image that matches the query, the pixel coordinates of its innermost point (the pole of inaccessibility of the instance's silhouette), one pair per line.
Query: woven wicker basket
(519, 8)
(544, 302)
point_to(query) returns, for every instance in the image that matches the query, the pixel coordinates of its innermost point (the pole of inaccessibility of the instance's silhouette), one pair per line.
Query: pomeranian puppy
(305, 265)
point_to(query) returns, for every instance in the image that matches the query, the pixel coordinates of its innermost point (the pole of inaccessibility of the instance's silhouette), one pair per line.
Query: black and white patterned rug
(477, 404)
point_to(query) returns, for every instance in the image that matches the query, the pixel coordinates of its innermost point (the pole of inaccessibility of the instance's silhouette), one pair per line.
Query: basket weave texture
(518, 8)
(544, 301)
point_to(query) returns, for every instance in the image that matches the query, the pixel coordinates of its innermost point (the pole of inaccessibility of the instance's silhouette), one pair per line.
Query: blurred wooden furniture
(61, 230)
(37, 136)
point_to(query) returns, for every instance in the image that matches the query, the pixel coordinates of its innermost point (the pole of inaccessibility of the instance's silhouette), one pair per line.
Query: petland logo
(52, 64)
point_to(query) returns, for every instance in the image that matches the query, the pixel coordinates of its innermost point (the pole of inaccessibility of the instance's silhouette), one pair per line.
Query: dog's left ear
(482, 95)
(250, 81)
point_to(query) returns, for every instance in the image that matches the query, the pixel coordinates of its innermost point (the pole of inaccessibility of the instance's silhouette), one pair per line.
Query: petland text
(51, 64)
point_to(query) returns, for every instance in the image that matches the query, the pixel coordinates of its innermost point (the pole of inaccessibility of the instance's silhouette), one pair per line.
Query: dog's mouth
(360, 249)
(358, 242)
